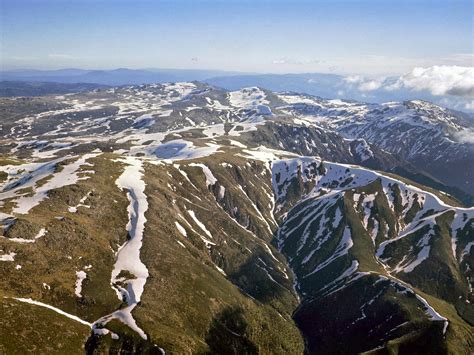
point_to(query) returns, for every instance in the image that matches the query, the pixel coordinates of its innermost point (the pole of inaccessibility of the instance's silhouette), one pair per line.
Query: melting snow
(81, 276)
(178, 149)
(67, 176)
(8, 257)
(210, 179)
(203, 227)
(363, 150)
(344, 245)
(181, 229)
(128, 256)
(40, 234)
(57, 310)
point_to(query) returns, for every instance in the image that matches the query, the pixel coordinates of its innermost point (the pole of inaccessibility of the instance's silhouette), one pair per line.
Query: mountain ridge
(242, 217)
(327, 85)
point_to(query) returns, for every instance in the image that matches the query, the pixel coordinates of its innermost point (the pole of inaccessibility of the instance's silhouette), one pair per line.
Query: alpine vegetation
(184, 218)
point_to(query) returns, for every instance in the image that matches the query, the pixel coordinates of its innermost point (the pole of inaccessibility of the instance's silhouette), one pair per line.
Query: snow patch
(81, 276)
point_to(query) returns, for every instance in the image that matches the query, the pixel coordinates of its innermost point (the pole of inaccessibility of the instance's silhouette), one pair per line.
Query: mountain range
(364, 89)
(186, 218)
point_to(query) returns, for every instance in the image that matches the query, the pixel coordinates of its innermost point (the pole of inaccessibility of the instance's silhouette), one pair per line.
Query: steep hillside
(351, 232)
(177, 268)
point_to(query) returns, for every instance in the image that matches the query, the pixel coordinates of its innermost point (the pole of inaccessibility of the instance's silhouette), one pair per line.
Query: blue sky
(374, 37)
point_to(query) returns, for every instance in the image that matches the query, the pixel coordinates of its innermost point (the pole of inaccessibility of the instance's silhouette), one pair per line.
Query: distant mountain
(433, 138)
(121, 76)
(25, 88)
(322, 85)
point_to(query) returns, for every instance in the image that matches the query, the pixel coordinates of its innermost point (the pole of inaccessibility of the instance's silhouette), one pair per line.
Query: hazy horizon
(417, 46)
(345, 37)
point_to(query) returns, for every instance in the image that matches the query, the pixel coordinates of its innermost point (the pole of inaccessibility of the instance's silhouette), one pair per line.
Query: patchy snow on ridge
(265, 154)
(73, 209)
(428, 309)
(250, 99)
(363, 150)
(180, 149)
(25, 176)
(69, 175)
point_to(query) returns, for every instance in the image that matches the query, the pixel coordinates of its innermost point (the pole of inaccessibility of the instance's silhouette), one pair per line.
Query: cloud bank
(439, 80)
(364, 84)
(448, 85)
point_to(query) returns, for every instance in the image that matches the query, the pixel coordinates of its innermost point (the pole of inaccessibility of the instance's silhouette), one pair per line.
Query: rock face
(186, 219)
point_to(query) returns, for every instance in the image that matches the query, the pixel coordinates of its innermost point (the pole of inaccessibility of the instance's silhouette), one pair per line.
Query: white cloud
(439, 80)
(370, 85)
(465, 136)
(363, 83)
(353, 79)
(449, 86)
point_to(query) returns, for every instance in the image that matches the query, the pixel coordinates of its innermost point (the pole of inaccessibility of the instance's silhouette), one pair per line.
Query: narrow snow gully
(128, 256)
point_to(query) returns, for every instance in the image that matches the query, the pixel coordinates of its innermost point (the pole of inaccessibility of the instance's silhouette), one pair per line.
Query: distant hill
(20, 88)
(318, 84)
(121, 76)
